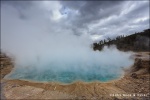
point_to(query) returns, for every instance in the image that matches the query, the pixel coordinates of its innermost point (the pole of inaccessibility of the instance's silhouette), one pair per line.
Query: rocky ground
(134, 85)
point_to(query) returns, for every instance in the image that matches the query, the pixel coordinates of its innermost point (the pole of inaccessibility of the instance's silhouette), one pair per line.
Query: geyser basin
(90, 66)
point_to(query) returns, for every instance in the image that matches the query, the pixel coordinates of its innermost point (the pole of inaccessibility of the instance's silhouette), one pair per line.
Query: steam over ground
(44, 52)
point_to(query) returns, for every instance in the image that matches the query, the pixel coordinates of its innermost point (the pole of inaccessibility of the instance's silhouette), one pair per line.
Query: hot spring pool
(101, 66)
(66, 76)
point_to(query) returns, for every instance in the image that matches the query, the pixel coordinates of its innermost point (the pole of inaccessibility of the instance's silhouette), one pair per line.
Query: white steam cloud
(39, 44)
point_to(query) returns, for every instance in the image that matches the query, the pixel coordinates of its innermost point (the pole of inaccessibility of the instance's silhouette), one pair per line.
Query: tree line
(136, 42)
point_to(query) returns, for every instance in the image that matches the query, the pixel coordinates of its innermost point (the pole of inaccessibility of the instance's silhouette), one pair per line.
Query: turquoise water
(65, 76)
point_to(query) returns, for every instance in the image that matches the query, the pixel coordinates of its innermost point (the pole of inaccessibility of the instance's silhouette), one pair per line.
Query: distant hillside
(135, 42)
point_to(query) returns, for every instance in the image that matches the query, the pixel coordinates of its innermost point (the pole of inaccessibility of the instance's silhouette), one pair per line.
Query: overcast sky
(97, 19)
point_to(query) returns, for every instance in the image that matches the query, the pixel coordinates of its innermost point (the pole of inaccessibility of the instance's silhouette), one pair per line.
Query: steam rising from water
(43, 52)
(69, 66)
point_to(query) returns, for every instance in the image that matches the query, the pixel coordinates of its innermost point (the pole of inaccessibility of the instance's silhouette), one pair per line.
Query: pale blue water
(65, 76)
